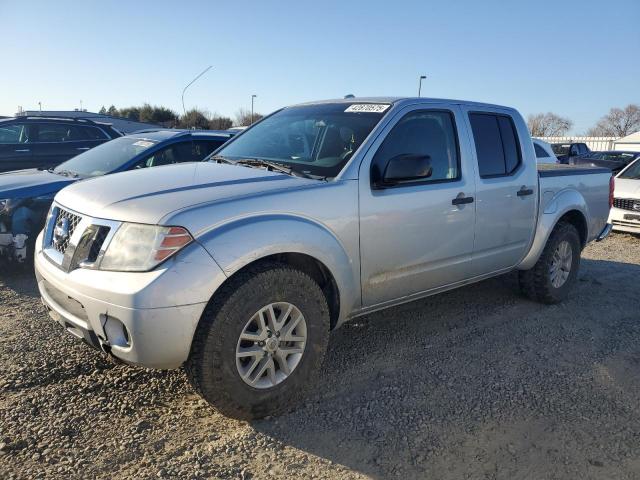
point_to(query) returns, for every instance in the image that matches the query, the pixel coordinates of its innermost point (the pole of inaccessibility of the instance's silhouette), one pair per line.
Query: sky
(574, 58)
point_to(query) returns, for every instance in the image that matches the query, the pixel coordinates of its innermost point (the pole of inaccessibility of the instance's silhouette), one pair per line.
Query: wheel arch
(298, 242)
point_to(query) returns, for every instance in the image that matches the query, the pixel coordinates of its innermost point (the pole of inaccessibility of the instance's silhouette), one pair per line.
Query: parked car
(41, 142)
(613, 160)
(26, 195)
(239, 267)
(567, 151)
(544, 152)
(625, 214)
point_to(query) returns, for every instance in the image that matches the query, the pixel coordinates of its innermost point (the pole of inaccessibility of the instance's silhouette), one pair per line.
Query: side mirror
(405, 168)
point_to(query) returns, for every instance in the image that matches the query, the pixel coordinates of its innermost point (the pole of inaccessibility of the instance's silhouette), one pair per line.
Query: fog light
(116, 332)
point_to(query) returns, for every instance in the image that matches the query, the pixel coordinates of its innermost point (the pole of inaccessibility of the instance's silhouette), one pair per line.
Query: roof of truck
(398, 100)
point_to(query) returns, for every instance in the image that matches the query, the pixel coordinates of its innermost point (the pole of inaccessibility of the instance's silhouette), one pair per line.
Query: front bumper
(146, 318)
(625, 220)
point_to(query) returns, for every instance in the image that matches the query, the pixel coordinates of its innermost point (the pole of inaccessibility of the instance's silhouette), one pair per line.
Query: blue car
(26, 195)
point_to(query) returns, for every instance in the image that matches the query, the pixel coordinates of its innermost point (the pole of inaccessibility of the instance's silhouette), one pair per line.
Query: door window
(497, 146)
(58, 132)
(14, 133)
(202, 148)
(174, 153)
(424, 133)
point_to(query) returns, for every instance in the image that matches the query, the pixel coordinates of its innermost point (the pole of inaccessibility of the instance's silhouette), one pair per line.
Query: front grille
(627, 204)
(62, 244)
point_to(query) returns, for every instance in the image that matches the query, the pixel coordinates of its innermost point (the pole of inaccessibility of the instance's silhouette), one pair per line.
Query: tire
(538, 283)
(212, 366)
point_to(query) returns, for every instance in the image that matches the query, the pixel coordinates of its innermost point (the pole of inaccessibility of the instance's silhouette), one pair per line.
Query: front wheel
(260, 342)
(556, 271)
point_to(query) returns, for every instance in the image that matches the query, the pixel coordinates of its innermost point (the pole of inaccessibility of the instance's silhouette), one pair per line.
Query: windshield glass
(312, 139)
(633, 172)
(560, 149)
(105, 158)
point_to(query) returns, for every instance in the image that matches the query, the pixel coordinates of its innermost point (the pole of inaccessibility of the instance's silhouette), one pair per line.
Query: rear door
(507, 189)
(56, 142)
(15, 148)
(417, 236)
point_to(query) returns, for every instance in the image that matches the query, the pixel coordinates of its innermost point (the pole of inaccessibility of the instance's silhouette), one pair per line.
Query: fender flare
(242, 241)
(558, 206)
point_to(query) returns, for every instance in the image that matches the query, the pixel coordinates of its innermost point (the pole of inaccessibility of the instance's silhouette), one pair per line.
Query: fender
(552, 210)
(242, 241)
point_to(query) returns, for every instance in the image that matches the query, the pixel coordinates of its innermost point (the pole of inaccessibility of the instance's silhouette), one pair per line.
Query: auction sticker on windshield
(367, 107)
(143, 143)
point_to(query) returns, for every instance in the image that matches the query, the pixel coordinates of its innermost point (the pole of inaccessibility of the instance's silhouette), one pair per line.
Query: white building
(630, 143)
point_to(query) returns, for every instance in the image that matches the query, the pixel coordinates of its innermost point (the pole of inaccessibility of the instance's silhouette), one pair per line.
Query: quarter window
(424, 133)
(93, 133)
(497, 146)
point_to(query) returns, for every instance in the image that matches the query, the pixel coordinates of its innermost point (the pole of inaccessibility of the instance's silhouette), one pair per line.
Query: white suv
(625, 213)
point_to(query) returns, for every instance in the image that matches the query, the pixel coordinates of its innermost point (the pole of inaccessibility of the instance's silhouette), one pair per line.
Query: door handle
(23, 150)
(523, 192)
(83, 148)
(462, 200)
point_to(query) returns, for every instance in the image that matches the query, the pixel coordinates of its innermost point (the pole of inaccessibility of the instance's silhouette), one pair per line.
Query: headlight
(139, 248)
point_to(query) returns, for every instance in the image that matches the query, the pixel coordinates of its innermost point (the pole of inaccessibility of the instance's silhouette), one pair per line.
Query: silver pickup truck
(239, 267)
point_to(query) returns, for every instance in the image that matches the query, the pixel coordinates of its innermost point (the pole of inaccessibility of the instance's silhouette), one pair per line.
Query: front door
(15, 149)
(417, 235)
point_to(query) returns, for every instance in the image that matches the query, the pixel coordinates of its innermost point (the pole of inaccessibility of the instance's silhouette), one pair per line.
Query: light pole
(191, 83)
(422, 77)
(252, 98)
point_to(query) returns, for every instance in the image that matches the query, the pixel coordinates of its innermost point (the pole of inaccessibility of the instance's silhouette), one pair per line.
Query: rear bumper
(102, 308)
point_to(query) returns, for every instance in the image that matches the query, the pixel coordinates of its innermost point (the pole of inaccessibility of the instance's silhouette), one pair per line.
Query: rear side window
(497, 146)
(59, 132)
(540, 152)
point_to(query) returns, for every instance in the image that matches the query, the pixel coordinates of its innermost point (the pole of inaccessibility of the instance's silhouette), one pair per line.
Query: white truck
(239, 267)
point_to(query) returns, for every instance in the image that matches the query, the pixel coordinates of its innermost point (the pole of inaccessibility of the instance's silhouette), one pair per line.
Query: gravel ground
(475, 383)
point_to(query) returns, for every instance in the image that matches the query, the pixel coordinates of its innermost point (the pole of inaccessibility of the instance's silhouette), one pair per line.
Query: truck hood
(31, 183)
(148, 195)
(627, 188)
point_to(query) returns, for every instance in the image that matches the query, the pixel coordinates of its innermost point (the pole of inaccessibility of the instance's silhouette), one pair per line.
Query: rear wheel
(260, 342)
(556, 271)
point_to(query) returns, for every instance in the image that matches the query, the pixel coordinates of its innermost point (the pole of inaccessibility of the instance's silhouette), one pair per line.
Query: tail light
(612, 185)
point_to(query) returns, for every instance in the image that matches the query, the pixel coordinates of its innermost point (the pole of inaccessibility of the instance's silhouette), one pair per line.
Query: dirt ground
(474, 383)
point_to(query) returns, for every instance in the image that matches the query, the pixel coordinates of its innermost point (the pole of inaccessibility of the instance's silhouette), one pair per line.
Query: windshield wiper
(221, 159)
(259, 162)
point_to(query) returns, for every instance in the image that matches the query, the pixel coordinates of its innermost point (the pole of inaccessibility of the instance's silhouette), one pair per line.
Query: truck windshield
(105, 158)
(633, 172)
(311, 139)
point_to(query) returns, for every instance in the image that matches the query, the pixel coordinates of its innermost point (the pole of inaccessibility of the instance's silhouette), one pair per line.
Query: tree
(243, 117)
(132, 113)
(102, 111)
(195, 118)
(217, 122)
(113, 111)
(618, 122)
(548, 125)
(155, 114)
